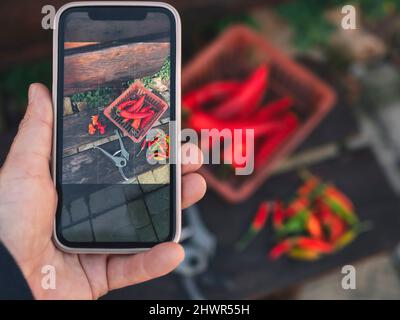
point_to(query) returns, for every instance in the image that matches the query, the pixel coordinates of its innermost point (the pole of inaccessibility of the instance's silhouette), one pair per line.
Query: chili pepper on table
(297, 205)
(101, 128)
(295, 224)
(340, 210)
(308, 187)
(314, 227)
(95, 120)
(345, 239)
(259, 221)
(281, 248)
(303, 254)
(279, 215)
(318, 245)
(248, 98)
(91, 129)
(340, 197)
(95, 124)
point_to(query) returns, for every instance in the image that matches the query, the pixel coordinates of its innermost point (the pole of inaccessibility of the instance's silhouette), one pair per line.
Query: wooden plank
(85, 71)
(76, 129)
(73, 45)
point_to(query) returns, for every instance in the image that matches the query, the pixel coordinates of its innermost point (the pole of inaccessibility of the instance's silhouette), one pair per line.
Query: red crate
(135, 91)
(234, 55)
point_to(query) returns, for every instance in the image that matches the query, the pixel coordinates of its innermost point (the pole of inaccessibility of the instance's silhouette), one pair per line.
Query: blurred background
(345, 89)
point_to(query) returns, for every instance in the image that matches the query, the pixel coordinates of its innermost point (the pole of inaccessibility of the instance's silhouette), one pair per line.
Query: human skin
(28, 203)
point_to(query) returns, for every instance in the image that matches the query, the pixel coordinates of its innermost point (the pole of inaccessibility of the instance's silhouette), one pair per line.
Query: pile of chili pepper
(136, 111)
(95, 125)
(318, 221)
(236, 104)
(158, 147)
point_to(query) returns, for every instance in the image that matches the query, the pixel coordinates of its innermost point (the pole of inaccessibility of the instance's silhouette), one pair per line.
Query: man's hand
(27, 210)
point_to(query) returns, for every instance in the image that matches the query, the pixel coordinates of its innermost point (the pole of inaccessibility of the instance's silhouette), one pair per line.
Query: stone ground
(376, 278)
(138, 211)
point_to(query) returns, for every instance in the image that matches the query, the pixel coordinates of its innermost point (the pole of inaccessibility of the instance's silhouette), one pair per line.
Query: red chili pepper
(340, 197)
(245, 100)
(201, 120)
(279, 214)
(274, 108)
(261, 217)
(137, 105)
(136, 123)
(279, 249)
(331, 221)
(297, 205)
(213, 92)
(314, 226)
(137, 115)
(308, 186)
(101, 128)
(259, 221)
(91, 129)
(272, 143)
(147, 119)
(126, 104)
(314, 244)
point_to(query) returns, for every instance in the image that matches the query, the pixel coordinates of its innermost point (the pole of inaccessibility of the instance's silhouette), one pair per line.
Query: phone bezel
(123, 247)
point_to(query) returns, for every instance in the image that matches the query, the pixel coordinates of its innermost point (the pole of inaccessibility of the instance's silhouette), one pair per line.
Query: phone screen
(116, 99)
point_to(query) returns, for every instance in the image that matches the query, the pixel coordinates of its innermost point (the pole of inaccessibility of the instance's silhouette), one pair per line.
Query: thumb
(31, 148)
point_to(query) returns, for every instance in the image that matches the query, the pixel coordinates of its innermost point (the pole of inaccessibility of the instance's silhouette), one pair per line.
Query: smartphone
(116, 92)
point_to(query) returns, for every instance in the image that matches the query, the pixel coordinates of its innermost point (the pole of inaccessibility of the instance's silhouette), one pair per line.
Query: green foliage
(310, 25)
(377, 9)
(308, 22)
(163, 73)
(96, 98)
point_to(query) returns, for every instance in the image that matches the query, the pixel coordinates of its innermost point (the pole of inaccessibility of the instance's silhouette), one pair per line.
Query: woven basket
(135, 91)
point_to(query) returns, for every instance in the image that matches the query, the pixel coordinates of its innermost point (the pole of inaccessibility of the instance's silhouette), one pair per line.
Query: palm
(27, 206)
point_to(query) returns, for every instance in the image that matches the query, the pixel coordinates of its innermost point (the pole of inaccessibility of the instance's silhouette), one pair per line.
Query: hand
(27, 210)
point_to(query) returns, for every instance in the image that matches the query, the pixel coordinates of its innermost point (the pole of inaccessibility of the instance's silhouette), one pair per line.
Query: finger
(193, 189)
(192, 158)
(128, 270)
(31, 147)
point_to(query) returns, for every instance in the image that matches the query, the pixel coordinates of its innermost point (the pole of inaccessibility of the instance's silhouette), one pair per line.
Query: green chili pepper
(346, 215)
(295, 224)
(303, 254)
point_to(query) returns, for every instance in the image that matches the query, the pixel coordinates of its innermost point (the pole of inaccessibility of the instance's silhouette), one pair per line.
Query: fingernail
(32, 92)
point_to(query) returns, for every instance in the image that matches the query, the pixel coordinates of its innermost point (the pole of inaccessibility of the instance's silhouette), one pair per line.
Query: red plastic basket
(135, 91)
(234, 55)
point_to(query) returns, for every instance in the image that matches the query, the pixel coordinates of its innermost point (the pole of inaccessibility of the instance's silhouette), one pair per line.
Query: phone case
(161, 107)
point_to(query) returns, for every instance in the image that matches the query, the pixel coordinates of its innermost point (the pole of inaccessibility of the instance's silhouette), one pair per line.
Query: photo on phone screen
(116, 98)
